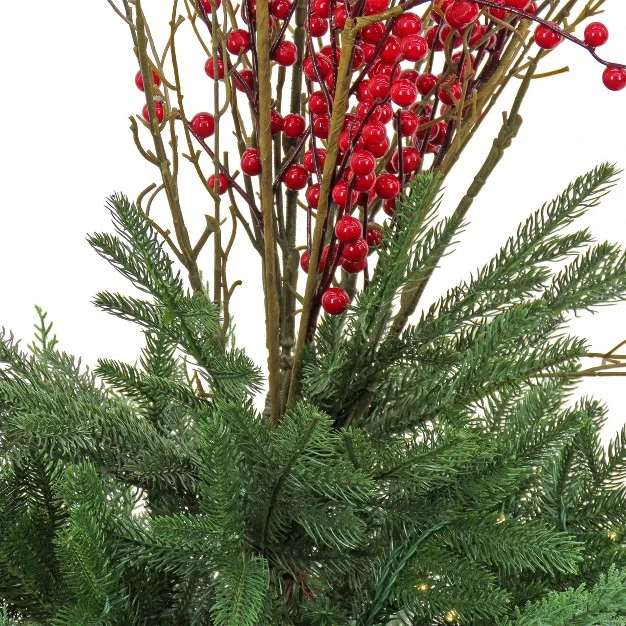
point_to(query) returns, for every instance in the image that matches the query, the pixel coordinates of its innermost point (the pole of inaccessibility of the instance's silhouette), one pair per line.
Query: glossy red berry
(335, 300)
(280, 9)
(238, 41)
(379, 150)
(309, 162)
(374, 133)
(376, 6)
(546, 38)
(340, 194)
(387, 186)
(222, 183)
(317, 103)
(614, 78)
(321, 8)
(462, 14)
(408, 123)
(407, 24)
(312, 195)
(286, 53)
(353, 267)
(318, 26)
(202, 124)
(355, 251)
(426, 83)
(410, 159)
(321, 126)
(391, 52)
(450, 93)
(340, 16)
(276, 122)
(348, 229)
(158, 110)
(373, 33)
(251, 162)
(374, 234)
(362, 162)
(389, 207)
(432, 38)
(247, 78)
(439, 9)
(414, 47)
(403, 92)
(293, 125)
(209, 4)
(596, 34)
(209, 68)
(364, 183)
(295, 177)
(499, 14)
(139, 80)
(379, 86)
(324, 66)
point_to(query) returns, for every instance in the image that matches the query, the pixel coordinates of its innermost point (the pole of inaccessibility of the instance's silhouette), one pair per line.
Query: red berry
(386, 112)
(387, 186)
(340, 194)
(335, 300)
(318, 26)
(276, 122)
(410, 159)
(546, 38)
(450, 93)
(522, 5)
(380, 149)
(461, 14)
(208, 4)
(407, 24)
(374, 234)
(614, 78)
(379, 86)
(323, 65)
(308, 161)
(355, 251)
(374, 133)
(295, 177)
(340, 16)
(247, 78)
(408, 123)
(158, 109)
(251, 162)
(321, 8)
(139, 80)
(312, 195)
(321, 126)
(368, 51)
(376, 6)
(346, 141)
(202, 124)
(499, 14)
(293, 125)
(304, 261)
(317, 103)
(280, 9)
(286, 53)
(426, 83)
(209, 68)
(373, 33)
(348, 229)
(403, 92)
(353, 267)
(391, 50)
(362, 162)
(238, 41)
(359, 57)
(222, 183)
(596, 34)
(432, 38)
(409, 74)
(389, 207)
(364, 183)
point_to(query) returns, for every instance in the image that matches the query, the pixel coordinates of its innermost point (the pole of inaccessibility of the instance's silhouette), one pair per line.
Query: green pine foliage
(444, 474)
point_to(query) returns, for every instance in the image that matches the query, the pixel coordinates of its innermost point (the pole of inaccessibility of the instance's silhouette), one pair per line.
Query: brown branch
(272, 301)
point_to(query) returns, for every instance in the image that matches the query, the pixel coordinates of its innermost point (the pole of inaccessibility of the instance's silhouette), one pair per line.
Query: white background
(68, 89)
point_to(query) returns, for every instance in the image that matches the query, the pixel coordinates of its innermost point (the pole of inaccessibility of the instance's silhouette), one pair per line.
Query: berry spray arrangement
(335, 107)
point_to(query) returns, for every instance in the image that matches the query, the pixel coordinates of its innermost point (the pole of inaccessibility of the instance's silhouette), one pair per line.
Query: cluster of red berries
(391, 102)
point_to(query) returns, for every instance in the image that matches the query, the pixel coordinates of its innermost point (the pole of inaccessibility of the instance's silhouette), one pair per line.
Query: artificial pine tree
(417, 470)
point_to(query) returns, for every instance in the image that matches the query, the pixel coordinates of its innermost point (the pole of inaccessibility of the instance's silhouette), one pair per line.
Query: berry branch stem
(272, 301)
(171, 189)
